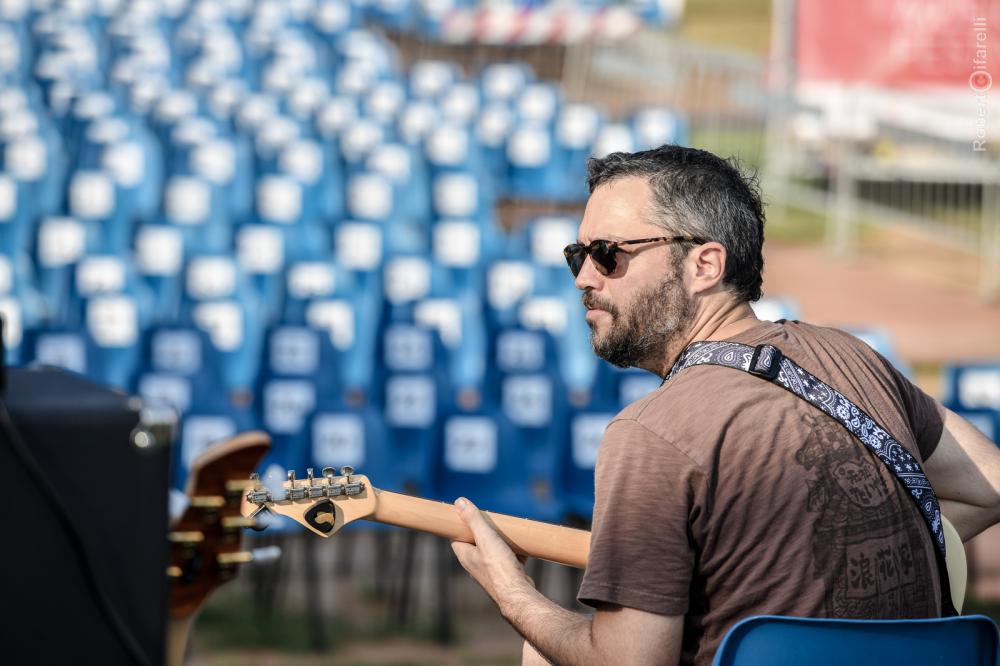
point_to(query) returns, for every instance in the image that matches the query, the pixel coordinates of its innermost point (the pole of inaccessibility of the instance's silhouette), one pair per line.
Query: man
(721, 495)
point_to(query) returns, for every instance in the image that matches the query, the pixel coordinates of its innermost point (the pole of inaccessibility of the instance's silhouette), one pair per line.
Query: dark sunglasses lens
(575, 256)
(604, 256)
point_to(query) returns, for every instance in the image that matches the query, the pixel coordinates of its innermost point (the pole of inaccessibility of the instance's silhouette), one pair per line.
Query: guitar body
(958, 570)
(206, 539)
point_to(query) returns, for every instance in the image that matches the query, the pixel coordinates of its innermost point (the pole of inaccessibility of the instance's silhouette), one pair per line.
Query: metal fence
(853, 157)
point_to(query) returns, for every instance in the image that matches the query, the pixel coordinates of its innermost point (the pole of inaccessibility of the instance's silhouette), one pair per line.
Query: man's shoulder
(696, 396)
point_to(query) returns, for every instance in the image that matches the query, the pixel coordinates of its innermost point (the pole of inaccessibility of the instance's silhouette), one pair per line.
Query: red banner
(901, 44)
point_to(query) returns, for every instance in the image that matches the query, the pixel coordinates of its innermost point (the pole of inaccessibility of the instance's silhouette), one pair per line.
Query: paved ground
(931, 316)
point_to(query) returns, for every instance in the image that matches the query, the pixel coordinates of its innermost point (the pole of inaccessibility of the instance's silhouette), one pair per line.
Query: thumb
(473, 518)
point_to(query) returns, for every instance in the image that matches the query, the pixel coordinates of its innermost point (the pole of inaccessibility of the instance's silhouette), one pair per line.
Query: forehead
(618, 210)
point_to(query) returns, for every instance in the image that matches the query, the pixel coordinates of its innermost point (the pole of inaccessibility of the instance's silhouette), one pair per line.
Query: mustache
(591, 300)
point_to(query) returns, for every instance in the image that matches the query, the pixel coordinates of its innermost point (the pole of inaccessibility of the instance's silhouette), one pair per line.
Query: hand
(490, 561)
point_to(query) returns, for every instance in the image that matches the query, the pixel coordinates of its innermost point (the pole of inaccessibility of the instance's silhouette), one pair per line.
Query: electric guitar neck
(324, 505)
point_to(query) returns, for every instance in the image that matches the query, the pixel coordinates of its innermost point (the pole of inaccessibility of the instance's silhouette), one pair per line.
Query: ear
(708, 266)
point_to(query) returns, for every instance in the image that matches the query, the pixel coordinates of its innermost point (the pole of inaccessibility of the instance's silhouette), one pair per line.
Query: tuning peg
(208, 501)
(309, 475)
(262, 555)
(237, 522)
(291, 476)
(329, 473)
(239, 557)
(190, 537)
(347, 471)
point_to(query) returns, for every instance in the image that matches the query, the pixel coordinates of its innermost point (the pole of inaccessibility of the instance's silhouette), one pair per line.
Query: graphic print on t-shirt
(866, 544)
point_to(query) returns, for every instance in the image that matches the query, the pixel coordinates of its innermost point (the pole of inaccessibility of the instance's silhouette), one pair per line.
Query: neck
(709, 323)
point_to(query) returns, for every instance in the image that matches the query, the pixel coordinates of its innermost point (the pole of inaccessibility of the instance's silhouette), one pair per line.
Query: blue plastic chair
(586, 430)
(972, 386)
(773, 640)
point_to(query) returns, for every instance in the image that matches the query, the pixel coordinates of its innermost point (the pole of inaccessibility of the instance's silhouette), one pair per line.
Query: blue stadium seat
(60, 244)
(972, 386)
(305, 161)
(524, 381)
(504, 81)
(655, 126)
(209, 420)
(479, 458)
(31, 172)
(620, 387)
(416, 120)
(178, 352)
(539, 104)
(782, 641)
(114, 330)
(775, 308)
(458, 320)
(534, 173)
(508, 283)
(493, 128)
(374, 197)
(159, 262)
(460, 103)
(60, 347)
(407, 279)
(612, 138)
(343, 434)
(543, 239)
(576, 130)
(94, 199)
(261, 255)
(881, 341)
(462, 248)
(219, 300)
(406, 169)
(384, 102)
(561, 315)
(429, 79)
(21, 305)
(189, 205)
(586, 429)
(414, 389)
(299, 366)
(307, 281)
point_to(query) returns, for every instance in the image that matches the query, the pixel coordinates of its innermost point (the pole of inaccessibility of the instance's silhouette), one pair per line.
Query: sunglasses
(604, 252)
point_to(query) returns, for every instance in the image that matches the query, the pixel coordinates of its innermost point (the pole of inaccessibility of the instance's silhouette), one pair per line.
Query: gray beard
(659, 315)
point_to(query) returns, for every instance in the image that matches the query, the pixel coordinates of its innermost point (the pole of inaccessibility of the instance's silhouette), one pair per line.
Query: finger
(481, 530)
(461, 551)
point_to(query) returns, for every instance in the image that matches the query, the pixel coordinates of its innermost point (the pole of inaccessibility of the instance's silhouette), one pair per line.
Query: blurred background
(342, 222)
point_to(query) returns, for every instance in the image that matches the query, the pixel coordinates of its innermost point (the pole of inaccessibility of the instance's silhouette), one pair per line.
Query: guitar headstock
(206, 540)
(322, 504)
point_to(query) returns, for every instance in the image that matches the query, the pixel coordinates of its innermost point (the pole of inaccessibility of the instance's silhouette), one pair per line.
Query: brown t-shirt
(720, 496)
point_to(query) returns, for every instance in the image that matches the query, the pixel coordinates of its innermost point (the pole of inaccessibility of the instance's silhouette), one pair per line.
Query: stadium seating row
(252, 212)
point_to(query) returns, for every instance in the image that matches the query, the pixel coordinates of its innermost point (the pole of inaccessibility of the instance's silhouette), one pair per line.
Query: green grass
(729, 24)
(745, 145)
(793, 225)
(232, 623)
(990, 608)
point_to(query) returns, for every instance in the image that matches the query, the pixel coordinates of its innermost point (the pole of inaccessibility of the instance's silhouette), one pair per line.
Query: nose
(589, 277)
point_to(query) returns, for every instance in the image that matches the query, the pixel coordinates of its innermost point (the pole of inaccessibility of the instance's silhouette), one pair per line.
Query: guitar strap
(767, 362)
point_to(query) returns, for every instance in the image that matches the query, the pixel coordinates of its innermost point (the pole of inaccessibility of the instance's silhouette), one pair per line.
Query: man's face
(637, 310)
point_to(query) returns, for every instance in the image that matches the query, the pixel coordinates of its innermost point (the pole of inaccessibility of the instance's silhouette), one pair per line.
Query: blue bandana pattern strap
(767, 362)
